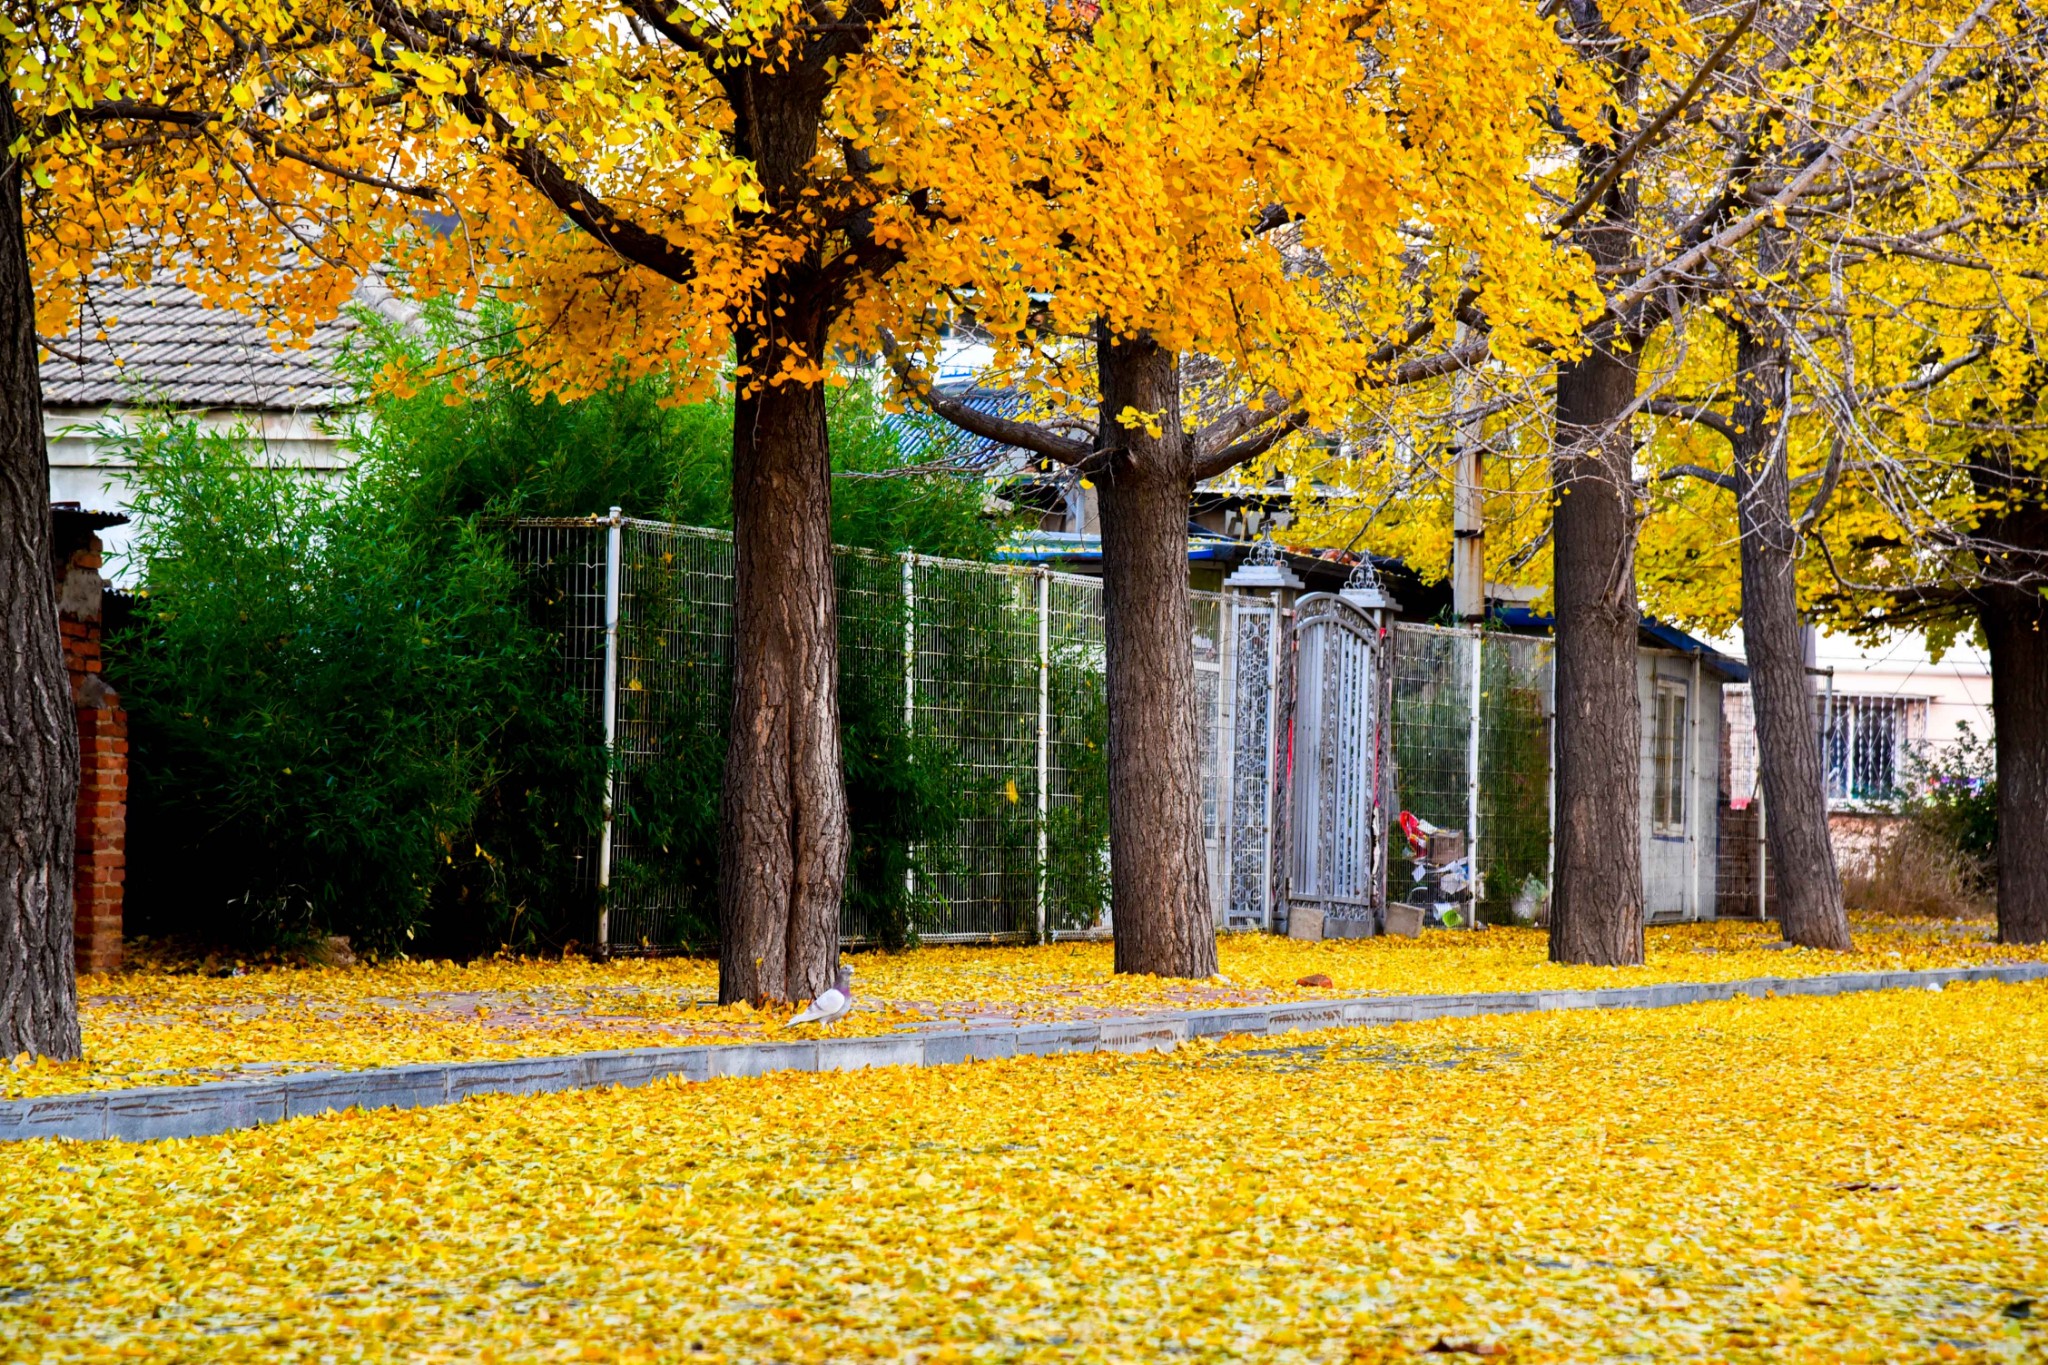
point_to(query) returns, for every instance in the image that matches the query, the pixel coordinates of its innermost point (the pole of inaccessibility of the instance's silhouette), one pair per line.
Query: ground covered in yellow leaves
(155, 1027)
(1861, 1178)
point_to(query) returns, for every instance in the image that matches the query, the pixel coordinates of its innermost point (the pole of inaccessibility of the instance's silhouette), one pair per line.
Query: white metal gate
(1339, 777)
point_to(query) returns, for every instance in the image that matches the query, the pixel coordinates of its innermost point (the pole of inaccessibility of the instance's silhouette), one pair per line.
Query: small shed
(1679, 682)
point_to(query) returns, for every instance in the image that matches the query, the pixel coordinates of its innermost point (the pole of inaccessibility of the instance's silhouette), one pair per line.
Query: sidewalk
(158, 1112)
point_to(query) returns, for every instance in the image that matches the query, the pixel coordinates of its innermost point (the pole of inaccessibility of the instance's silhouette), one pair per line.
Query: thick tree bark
(1802, 857)
(783, 840)
(38, 734)
(1597, 905)
(1159, 883)
(2015, 624)
(2013, 615)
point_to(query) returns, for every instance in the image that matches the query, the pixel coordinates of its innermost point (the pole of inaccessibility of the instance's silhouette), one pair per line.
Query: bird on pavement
(832, 1005)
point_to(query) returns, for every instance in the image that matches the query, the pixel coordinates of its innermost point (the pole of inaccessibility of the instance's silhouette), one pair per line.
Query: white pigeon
(831, 1006)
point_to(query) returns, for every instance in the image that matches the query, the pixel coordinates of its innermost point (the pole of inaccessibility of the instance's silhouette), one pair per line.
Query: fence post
(909, 684)
(1763, 856)
(1550, 780)
(1044, 736)
(614, 535)
(1695, 821)
(1472, 780)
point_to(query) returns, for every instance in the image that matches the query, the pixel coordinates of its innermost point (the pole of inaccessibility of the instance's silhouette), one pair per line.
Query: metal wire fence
(975, 724)
(1490, 778)
(975, 737)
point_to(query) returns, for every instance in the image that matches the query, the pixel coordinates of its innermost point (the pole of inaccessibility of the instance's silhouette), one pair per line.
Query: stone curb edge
(187, 1111)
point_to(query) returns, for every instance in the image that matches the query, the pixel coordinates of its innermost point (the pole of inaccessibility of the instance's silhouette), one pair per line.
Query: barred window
(1866, 742)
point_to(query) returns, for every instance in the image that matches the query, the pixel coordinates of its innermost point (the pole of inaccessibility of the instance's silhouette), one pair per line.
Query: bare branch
(1724, 482)
(1250, 448)
(1797, 187)
(1024, 435)
(1237, 419)
(1697, 413)
(1654, 129)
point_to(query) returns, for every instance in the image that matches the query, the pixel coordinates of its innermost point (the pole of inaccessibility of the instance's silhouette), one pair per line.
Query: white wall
(87, 470)
(1957, 688)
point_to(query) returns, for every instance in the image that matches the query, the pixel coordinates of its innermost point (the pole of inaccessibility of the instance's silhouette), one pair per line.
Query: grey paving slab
(220, 1106)
(516, 1076)
(951, 1048)
(858, 1054)
(391, 1087)
(81, 1117)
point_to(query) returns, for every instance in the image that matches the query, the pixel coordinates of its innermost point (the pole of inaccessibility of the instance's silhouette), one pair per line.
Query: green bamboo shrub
(349, 714)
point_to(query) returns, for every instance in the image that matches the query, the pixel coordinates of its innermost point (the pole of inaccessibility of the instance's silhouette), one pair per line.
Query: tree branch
(1654, 129)
(1024, 435)
(1697, 413)
(1795, 188)
(1724, 482)
(654, 14)
(410, 24)
(580, 205)
(1237, 419)
(1250, 448)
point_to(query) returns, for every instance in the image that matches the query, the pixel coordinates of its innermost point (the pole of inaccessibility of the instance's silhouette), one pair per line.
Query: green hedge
(346, 716)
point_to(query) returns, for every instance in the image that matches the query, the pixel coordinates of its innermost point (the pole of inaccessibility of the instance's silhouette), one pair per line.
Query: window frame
(1672, 697)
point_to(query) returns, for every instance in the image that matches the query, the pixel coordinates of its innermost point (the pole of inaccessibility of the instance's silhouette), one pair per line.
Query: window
(1865, 743)
(1668, 765)
(1738, 727)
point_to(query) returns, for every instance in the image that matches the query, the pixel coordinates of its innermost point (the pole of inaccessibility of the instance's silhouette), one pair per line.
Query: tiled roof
(166, 346)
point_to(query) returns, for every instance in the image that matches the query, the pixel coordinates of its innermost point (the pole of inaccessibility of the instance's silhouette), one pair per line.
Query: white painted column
(613, 545)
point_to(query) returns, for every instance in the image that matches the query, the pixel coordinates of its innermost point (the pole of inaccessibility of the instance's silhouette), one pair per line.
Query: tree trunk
(783, 841)
(1802, 857)
(1159, 884)
(2015, 624)
(1597, 904)
(38, 731)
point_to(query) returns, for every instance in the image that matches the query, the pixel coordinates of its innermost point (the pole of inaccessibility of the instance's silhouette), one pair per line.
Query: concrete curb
(185, 1111)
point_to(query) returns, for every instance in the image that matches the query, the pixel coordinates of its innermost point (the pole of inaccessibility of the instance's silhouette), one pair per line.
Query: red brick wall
(100, 860)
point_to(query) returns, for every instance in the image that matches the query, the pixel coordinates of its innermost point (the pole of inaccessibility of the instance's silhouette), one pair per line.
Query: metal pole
(1848, 744)
(909, 684)
(1472, 780)
(1692, 789)
(1468, 503)
(1763, 858)
(1550, 782)
(1044, 733)
(614, 535)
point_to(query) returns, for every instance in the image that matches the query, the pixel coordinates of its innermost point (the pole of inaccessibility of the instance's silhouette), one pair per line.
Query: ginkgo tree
(1919, 412)
(244, 146)
(1733, 143)
(676, 187)
(1215, 226)
(1767, 362)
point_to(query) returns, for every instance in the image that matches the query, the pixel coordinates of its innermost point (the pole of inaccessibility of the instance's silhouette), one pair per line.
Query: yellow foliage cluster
(1854, 1179)
(146, 1028)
